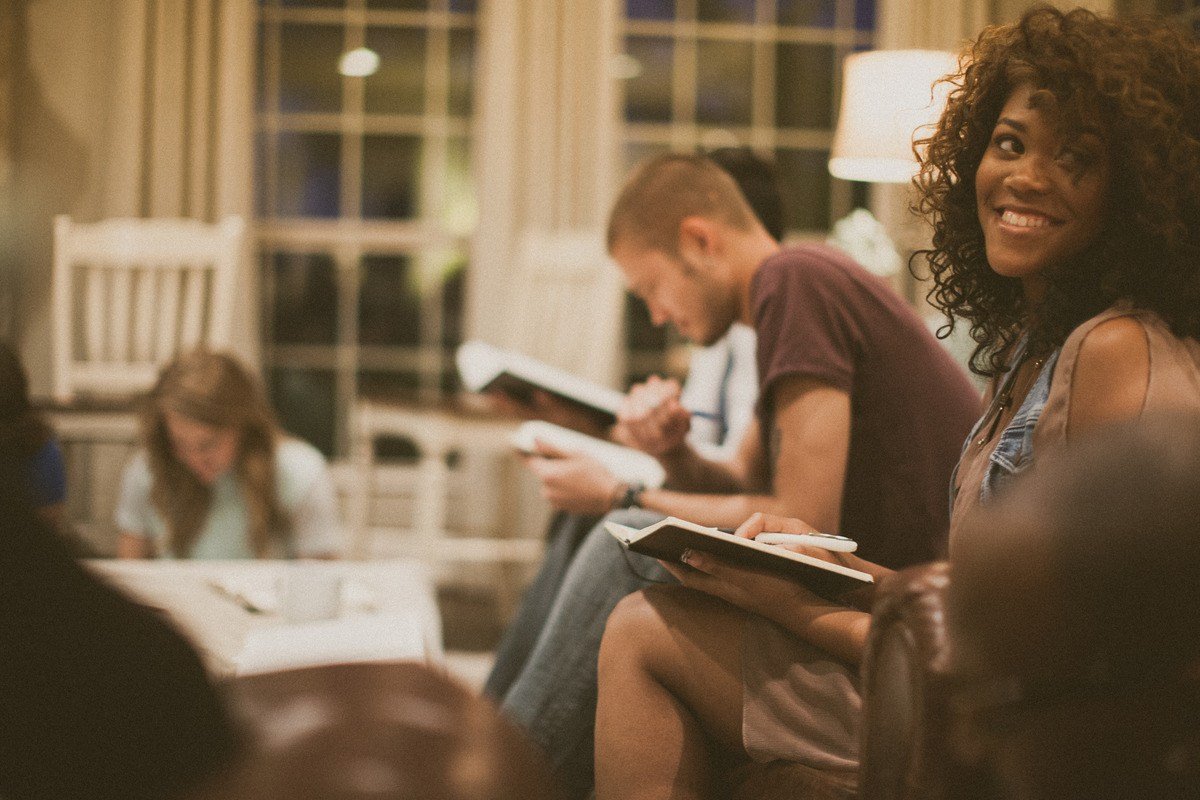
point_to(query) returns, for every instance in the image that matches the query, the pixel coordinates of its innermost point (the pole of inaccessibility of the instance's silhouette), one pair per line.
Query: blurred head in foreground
(1075, 624)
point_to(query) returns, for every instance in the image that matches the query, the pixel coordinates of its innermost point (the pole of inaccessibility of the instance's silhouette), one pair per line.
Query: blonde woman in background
(217, 479)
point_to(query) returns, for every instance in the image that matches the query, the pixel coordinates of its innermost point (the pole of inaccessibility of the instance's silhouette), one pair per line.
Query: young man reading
(860, 420)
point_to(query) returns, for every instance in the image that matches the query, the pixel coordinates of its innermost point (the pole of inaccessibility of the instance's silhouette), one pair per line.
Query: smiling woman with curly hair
(1063, 184)
(1133, 86)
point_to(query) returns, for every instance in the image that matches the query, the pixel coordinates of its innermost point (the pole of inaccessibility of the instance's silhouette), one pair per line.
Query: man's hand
(652, 419)
(571, 482)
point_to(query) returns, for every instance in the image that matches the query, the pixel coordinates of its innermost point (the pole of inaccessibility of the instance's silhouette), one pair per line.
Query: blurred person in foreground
(1073, 623)
(99, 697)
(28, 437)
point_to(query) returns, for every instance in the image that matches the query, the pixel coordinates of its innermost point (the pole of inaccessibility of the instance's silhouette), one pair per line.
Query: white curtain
(545, 150)
(131, 108)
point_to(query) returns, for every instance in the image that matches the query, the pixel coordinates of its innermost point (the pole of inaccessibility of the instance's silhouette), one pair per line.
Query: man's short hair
(667, 189)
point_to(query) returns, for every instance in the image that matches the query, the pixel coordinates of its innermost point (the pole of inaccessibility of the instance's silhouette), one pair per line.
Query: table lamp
(887, 95)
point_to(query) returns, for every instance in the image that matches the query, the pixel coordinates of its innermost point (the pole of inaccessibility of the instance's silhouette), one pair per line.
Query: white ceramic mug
(309, 592)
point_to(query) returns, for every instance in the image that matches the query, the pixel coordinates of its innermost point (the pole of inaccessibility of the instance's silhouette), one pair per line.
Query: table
(228, 609)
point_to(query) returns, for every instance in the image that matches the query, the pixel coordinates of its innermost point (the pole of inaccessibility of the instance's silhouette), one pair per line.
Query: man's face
(688, 295)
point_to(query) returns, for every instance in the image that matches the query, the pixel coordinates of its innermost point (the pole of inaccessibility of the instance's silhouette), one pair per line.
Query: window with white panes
(365, 206)
(760, 73)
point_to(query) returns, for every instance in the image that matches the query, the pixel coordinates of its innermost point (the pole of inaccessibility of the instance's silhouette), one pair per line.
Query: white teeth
(1022, 221)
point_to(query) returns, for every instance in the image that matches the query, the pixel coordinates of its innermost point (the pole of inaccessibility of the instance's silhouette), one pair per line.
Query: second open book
(668, 539)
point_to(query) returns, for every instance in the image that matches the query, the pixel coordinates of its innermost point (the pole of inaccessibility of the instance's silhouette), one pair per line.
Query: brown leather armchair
(909, 749)
(905, 725)
(904, 754)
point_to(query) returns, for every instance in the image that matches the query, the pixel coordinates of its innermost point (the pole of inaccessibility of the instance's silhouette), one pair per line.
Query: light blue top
(722, 381)
(306, 495)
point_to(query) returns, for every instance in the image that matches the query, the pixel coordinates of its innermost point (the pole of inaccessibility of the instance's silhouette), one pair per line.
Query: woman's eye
(1008, 144)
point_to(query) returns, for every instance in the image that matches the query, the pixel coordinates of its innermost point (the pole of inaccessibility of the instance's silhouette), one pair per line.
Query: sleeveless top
(994, 454)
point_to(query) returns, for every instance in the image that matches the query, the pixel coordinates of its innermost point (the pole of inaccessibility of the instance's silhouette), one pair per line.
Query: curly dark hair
(1134, 81)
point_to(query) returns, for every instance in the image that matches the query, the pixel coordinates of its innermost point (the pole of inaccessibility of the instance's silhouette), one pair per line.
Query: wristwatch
(631, 496)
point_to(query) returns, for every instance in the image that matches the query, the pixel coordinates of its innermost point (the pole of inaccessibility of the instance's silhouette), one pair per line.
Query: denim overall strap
(988, 416)
(1013, 453)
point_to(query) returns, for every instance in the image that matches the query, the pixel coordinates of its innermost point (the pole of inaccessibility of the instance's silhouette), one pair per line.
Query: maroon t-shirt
(820, 315)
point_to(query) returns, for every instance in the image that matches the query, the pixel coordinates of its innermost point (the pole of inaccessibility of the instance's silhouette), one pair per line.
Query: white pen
(826, 541)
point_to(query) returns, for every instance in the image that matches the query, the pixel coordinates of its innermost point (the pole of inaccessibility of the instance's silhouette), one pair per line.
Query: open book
(668, 539)
(625, 463)
(483, 367)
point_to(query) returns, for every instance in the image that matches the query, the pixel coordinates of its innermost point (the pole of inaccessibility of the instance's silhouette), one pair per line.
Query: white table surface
(389, 611)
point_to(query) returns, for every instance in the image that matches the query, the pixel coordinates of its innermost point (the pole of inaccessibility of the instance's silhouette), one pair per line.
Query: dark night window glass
(650, 9)
(809, 13)
(309, 182)
(391, 385)
(464, 6)
(391, 170)
(864, 15)
(453, 295)
(459, 211)
(261, 201)
(304, 399)
(648, 94)
(389, 308)
(401, 5)
(398, 87)
(462, 67)
(725, 10)
(260, 89)
(804, 85)
(308, 68)
(724, 75)
(304, 294)
(804, 176)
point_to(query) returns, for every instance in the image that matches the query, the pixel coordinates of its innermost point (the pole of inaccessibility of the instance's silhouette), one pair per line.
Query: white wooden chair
(131, 293)
(429, 489)
(570, 309)
(128, 294)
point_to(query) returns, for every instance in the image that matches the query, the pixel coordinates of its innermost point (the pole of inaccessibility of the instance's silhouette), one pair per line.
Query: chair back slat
(166, 338)
(118, 350)
(192, 312)
(94, 295)
(145, 281)
(131, 293)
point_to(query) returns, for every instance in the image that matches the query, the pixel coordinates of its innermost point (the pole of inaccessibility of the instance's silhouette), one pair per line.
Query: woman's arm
(1112, 374)
(836, 629)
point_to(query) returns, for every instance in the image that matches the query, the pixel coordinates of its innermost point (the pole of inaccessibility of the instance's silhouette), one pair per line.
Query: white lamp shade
(887, 95)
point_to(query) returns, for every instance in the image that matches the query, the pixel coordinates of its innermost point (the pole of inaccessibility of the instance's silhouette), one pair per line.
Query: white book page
(480, 363)
(624, 463)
